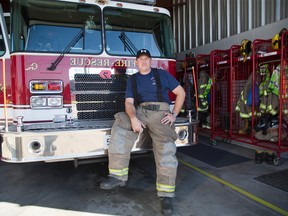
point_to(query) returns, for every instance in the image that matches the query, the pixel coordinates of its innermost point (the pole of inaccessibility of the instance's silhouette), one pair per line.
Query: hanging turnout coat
(204, 86)
(244, 109)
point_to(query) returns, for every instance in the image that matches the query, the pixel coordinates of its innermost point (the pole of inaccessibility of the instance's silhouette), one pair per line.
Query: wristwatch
(174, 114)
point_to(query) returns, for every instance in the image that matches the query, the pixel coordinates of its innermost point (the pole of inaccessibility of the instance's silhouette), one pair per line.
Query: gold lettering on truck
(100, 62)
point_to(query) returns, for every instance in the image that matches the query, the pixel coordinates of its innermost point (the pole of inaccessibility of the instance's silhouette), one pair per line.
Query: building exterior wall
(201, 22)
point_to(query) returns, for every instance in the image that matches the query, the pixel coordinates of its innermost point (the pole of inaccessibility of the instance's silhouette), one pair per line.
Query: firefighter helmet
(276, 40)
(246, 48)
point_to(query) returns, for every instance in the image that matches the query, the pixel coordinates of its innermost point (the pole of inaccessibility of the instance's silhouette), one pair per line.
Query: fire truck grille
(97, 86)
(98, 98)
(101, 106)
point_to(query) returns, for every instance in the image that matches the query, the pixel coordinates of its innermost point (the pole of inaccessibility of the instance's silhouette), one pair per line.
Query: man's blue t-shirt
(147, 88)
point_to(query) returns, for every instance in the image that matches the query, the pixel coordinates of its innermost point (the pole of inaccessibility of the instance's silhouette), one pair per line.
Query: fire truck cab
(63, 74)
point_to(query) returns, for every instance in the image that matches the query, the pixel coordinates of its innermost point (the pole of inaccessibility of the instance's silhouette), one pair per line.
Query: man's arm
(137, 125)
(169, 118)
(180, 97)
(130, 108)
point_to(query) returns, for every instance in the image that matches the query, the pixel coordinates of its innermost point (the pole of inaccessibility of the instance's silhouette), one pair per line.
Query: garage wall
(202, 22)
(265, 32)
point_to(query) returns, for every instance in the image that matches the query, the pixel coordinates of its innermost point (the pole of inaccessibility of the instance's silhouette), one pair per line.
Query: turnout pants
(163, 136)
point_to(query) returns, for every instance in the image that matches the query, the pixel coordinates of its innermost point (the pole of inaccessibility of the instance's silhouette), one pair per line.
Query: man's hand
(137, 125)
(168, 119)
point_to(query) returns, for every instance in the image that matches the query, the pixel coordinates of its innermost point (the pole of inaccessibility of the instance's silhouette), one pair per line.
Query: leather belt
(155, 106)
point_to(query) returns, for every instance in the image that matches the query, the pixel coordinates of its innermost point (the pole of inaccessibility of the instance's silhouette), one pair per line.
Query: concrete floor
(58, 189)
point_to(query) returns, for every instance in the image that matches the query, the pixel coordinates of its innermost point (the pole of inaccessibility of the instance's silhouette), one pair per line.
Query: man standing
(147, 108)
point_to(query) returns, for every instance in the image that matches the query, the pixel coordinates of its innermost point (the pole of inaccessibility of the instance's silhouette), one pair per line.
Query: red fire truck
(64, 70)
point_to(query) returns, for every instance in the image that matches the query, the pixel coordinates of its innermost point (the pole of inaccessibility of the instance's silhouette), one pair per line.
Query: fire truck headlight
(38, 102)
(41, 102)
(56, 101)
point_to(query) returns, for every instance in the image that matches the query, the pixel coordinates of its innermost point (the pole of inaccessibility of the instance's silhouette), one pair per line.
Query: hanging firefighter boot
(208, 120)
(203, 118)
(247, 127)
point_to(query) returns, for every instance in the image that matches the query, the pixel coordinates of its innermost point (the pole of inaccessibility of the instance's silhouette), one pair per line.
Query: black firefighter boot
(166, 205)
(269, 157)
(111, 183)
(247, 127)
(259, 157)
(205, 123)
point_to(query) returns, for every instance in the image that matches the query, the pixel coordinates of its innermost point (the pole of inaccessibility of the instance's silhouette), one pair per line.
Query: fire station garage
(232, 61)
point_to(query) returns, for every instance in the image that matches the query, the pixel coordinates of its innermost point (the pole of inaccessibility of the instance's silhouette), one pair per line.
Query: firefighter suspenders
(158, 85)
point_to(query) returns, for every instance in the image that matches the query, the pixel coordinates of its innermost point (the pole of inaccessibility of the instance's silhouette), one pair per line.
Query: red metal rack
(203, 65)
(231, 73)
(220, 103)
(276, 138)
(240, 71)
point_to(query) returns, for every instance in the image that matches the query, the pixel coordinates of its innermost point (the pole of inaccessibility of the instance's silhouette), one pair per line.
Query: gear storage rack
(240, 71)
(220, 106)
(202, 65)
(230, 73)
(262, 53)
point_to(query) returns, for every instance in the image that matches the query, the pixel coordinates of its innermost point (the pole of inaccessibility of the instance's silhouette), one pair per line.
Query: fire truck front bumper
(64, 145)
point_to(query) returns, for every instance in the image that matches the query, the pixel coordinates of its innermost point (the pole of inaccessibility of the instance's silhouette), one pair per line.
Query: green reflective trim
(269, 107)
(165, 188)
(273, 112)
(208, 87)
(119, 172)
(275, 81)
(244, 115)
(200, 96)
(263, 106)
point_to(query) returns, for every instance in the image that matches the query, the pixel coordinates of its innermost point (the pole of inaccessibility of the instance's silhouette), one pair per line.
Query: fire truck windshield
(127, 31)
(50, 26)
